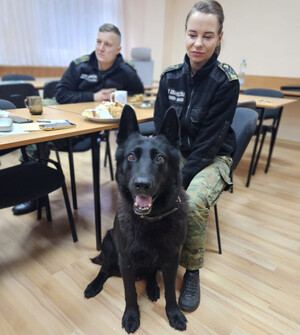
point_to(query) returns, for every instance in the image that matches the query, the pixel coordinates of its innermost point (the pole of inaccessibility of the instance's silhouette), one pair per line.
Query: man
(92, 78)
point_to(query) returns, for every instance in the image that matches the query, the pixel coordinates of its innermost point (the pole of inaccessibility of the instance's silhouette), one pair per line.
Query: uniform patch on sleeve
(82, 59)
(171, 68)
(229, 71)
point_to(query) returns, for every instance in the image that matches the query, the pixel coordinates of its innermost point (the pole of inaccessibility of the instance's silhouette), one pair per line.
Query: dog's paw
(92, 289)
(177, 319)
(153, 291)
(131, 320)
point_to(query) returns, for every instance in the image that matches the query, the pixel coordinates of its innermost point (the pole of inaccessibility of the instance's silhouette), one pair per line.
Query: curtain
(53, 32)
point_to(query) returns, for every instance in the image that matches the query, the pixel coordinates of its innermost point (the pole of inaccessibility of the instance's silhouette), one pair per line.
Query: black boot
(25, 208)
(189, 298)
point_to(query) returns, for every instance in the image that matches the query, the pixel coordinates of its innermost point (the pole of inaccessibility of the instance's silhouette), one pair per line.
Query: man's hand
(103, 94)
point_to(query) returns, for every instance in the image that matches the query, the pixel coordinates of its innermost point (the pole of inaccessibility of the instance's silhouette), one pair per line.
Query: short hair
(108, 27)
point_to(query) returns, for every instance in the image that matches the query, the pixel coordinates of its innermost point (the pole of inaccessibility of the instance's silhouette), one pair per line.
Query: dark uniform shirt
(205, 104)
(83, 78)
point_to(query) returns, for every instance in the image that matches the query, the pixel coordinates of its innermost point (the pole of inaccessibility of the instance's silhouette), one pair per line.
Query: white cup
(119, 96)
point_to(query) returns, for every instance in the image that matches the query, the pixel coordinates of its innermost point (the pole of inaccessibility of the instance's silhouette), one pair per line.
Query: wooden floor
(252, 288)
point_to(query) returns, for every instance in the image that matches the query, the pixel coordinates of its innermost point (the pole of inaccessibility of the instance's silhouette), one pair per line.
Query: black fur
(151, 219)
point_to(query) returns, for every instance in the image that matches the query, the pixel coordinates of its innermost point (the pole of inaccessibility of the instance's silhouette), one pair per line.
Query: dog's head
(148, 167)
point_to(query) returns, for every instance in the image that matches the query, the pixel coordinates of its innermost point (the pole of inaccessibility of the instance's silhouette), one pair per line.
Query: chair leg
(217, 228)
(57, 157)
(39, 208)
(72, 173)
(259, 151)
(273, 139)
(48, 208)
(108, 153)
(69, 211)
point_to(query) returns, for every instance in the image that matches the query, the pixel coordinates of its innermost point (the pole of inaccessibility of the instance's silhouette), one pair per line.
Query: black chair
(295, 88)
(5, 104)
(17, 77)
(32, 181)
(49, 89)
(147, 128)
(17, 92)
(244, 126)
(80, 144)
(269, 114)
(247, 104)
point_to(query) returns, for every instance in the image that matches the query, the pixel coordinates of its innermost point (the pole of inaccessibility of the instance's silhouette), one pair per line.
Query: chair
(17, 92)
(244, 126)
(49, 89)
(147, 128)
(80, 144)
(32, 181)
(291, 88)
(17, 77)
(270, 114)
(141, 59)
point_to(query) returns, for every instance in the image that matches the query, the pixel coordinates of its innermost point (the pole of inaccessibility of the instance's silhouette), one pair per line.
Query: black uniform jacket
(205, 104)
(83, 78)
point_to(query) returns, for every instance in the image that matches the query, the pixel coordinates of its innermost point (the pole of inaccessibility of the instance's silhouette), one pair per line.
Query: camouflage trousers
(204, 192)
(33, 153)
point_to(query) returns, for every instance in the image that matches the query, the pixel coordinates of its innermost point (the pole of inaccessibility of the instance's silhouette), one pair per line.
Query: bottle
(242, 72)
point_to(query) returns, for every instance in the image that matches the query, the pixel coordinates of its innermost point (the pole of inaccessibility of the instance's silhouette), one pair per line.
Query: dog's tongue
(143, 201)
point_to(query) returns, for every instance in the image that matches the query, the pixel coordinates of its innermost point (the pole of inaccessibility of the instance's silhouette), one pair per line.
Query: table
(263, 103)
(71, 112)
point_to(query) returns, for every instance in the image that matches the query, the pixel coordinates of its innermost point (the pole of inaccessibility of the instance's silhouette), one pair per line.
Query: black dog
(151, 219)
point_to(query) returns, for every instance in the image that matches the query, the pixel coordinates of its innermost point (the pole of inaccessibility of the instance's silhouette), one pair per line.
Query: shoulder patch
(82, 59)
(171, 68)
(229, 71)
(126, 61)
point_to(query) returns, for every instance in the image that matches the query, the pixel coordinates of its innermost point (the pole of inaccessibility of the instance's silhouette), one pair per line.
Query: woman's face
(201, 38)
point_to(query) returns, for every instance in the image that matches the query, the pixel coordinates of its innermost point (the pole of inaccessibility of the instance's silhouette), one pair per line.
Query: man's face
(107, 49)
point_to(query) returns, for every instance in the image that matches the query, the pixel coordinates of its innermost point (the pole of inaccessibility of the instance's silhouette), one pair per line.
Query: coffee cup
(34, 104)
(119, 96)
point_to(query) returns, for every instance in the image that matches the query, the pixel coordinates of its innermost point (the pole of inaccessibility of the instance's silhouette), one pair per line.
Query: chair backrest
(290, 88)
(243, 125)
(17, 92)
(269, 113)
(5, 104)
(49, 89)
(17, 77)
(247, 104)
(141, 59)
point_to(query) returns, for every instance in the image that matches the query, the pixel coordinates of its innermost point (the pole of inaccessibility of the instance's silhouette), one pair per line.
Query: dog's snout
(142, 184)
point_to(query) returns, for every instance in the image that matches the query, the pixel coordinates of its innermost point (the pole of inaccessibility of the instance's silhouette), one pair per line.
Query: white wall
(265, 32)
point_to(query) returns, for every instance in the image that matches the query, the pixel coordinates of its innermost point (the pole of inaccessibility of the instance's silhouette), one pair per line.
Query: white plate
(105, 116)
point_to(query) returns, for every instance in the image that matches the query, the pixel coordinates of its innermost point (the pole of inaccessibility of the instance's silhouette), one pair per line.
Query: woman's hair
(208, 7)
(108, 27)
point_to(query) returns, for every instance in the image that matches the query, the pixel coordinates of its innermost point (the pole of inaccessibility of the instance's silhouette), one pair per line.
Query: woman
(204, 93)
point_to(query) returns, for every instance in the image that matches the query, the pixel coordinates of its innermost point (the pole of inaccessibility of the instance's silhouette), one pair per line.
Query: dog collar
(159, 217)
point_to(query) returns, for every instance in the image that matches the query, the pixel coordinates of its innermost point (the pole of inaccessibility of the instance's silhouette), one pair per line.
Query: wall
(266, 33)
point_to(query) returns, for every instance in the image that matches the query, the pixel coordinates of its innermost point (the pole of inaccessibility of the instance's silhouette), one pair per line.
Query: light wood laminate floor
(252, 288)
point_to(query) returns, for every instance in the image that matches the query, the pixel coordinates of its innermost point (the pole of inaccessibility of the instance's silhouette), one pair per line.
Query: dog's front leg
(131, 316)
(176, 318)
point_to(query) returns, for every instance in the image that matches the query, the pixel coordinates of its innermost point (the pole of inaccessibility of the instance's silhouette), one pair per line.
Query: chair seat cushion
(26, 182)
(147, 128)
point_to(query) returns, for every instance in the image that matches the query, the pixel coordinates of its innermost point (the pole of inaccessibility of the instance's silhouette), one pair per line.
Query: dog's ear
(128, 124)
(170, 127)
